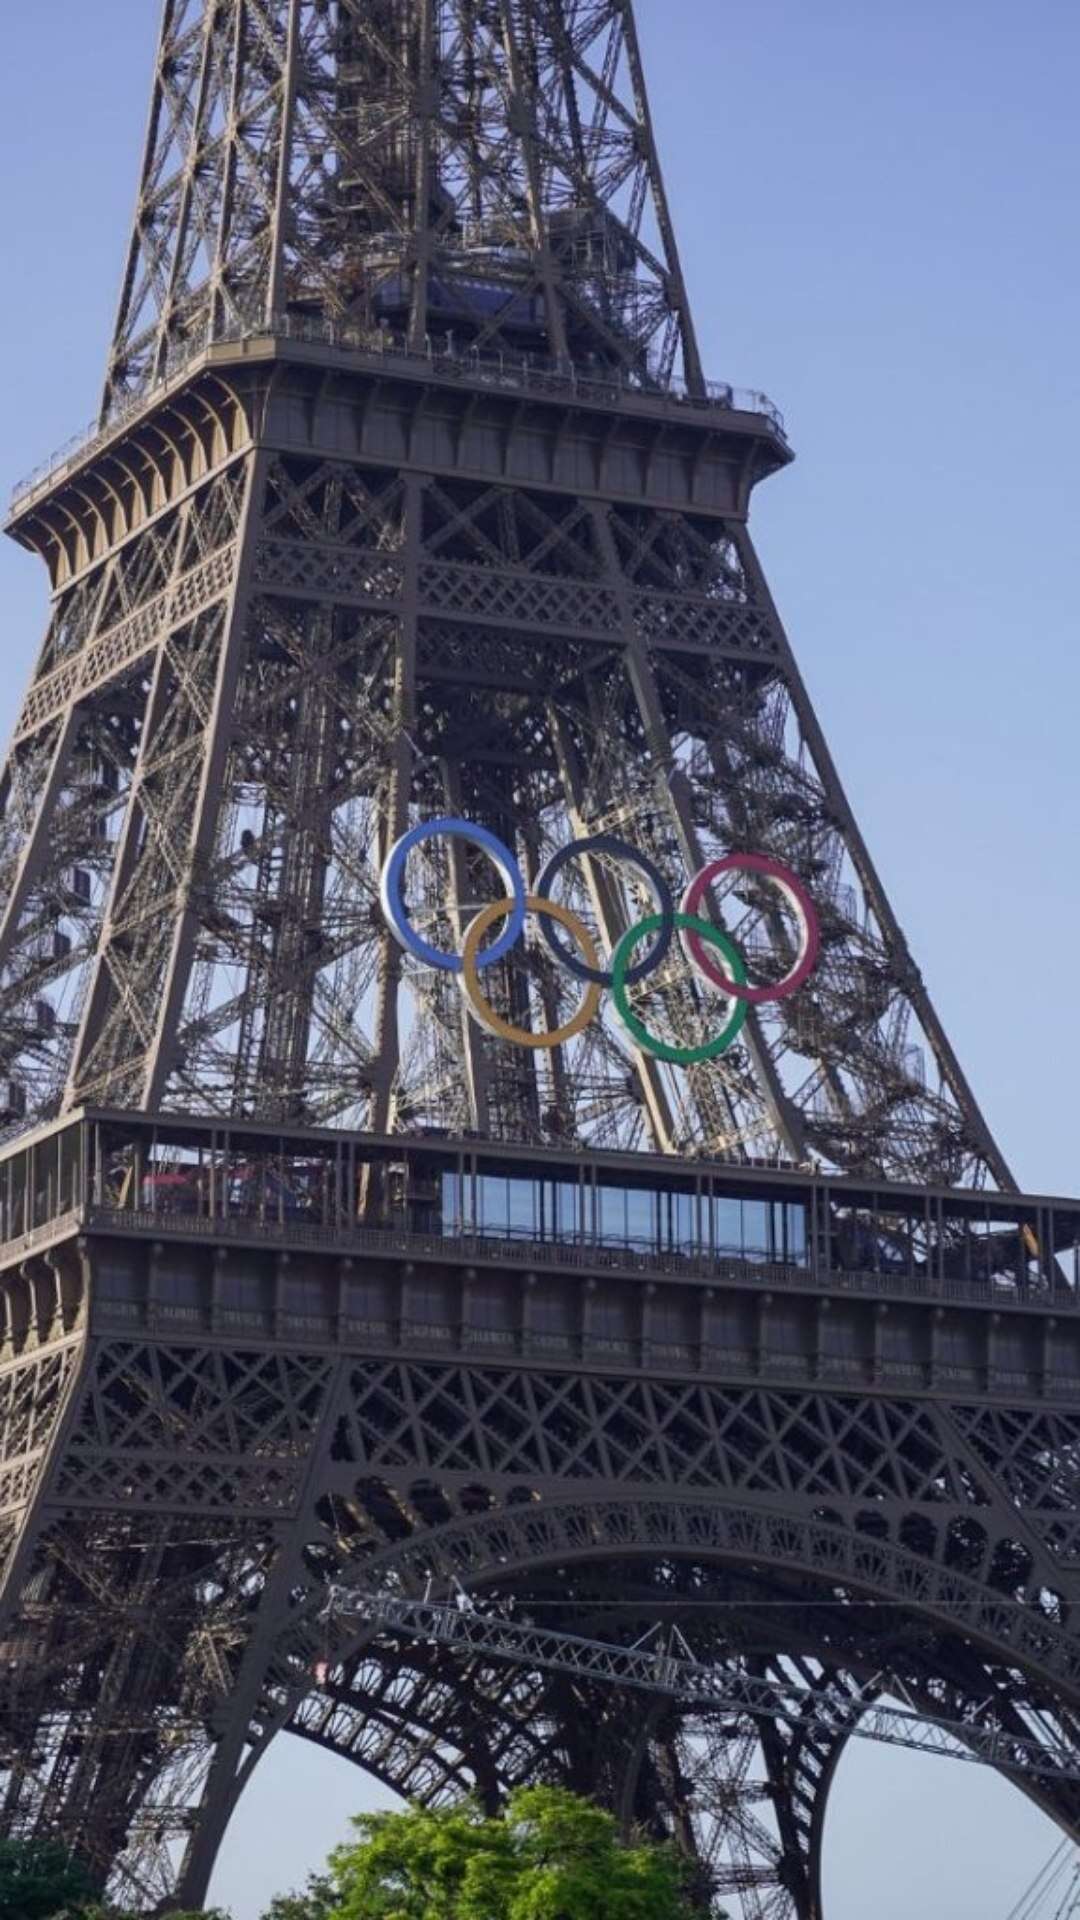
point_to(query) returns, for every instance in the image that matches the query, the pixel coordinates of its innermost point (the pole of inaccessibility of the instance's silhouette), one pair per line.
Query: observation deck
(518, 380)
(613, 1261)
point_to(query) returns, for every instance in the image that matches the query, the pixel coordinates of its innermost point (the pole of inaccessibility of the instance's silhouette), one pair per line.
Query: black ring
(662, 894)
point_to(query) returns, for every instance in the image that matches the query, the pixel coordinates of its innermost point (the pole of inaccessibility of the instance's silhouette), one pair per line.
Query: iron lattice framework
(408, 497)
(481, 165)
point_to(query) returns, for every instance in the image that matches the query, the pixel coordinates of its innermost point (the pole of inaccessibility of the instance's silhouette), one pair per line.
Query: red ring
(798, 899)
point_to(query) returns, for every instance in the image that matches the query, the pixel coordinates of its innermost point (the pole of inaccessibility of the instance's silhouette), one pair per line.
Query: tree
(317, 1902)
(39, 1878)
(116, 1913)
(551, 1857)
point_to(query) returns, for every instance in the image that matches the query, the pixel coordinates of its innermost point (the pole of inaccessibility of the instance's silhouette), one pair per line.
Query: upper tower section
(468, 173)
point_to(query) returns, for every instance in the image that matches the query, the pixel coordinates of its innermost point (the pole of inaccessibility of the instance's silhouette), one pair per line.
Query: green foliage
(115, 1913)
(552, 1857)
(317, 1902)
(39, 1879)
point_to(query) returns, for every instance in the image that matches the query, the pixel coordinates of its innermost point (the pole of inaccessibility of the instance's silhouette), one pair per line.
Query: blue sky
(877, 212)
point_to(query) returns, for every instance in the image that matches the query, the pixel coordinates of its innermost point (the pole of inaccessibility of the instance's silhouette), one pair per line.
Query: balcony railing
(714, 1266)
(530, 373)
(180, 1177)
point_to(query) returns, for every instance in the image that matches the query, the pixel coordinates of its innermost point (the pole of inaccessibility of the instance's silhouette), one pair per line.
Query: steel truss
(665, 1669)
(472, 162)
(407, 496)
(196, 1501)
(192, 916)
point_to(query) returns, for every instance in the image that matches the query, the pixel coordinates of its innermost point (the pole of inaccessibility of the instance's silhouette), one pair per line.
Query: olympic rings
(686, 923)
(798, 900)
(729, 977)
(393, 904)
(661, 893)
(482, 1009)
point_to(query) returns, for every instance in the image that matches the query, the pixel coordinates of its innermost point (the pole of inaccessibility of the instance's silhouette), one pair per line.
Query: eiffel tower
(408, 501)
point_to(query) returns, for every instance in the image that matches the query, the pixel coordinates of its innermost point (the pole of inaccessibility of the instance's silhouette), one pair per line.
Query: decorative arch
(495, 1550)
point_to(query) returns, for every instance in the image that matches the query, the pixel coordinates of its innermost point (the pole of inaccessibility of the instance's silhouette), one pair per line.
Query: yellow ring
(470, 975)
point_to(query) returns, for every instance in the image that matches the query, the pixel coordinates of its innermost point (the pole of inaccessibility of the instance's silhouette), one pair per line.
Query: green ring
(684, 923)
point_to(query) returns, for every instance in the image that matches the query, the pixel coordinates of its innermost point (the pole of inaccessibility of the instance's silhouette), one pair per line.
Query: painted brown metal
(408, 493)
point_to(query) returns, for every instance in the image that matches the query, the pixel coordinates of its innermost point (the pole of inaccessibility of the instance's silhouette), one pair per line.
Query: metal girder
(184, 1508)
(408, 494)
(371, 644)
(519, 186)
(668, 1671)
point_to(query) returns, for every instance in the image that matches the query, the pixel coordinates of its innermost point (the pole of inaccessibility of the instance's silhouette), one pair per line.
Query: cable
(1027, 1907)
(1042, 1884)
(671, 1669)
(1069, 1904)
(708, 1606)
(718, 1606)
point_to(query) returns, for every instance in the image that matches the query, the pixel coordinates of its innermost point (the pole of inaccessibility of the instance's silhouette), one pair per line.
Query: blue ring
(393, 903)
(662, 895)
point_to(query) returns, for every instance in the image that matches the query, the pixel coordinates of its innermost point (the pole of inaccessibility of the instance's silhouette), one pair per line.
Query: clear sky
(877, 206)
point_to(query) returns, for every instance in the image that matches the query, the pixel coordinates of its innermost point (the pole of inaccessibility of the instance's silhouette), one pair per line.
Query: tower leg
(747, 1803)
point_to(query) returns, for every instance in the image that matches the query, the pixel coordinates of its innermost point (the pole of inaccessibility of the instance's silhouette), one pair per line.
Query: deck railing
(525, 372)
(565, 1255)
